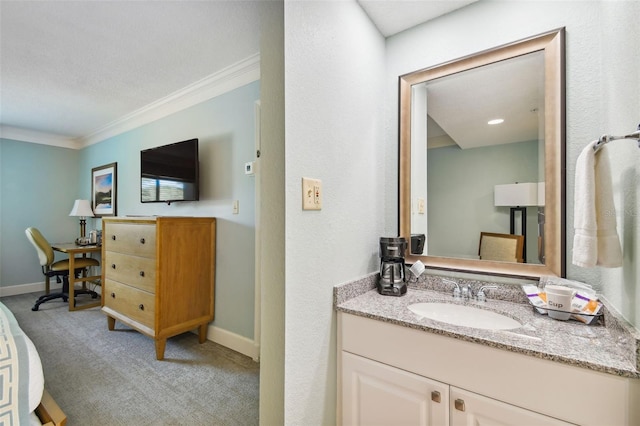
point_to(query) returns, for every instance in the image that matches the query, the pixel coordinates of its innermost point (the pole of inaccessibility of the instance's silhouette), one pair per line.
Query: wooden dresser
(158, 275)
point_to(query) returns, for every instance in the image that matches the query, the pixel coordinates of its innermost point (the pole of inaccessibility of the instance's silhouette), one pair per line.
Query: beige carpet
(107, 378)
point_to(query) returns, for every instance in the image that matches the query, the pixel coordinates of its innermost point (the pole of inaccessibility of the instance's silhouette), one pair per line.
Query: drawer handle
(435, 396)
(141, 240)
(113, 266)
(459, 404)
(113, 237)
(141, 307)
(113, 295)
(142, 273)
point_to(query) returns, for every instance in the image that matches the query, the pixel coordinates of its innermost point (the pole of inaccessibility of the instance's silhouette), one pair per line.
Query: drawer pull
(113, 237)
(141, 240)
(435, 396)
(113, 295)
(142, 273)
(141, 307)
(459, 404)
(113, 266)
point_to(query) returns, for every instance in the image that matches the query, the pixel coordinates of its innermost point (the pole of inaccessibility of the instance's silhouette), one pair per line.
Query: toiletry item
(583, 303)
(588, 316)
(536, 298)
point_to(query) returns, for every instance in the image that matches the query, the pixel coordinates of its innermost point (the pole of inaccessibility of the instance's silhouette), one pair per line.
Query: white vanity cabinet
(468, 408)
(391, 375)
(378, 394)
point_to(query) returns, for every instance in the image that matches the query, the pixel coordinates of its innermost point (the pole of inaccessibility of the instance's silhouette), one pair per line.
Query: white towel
(596, 240)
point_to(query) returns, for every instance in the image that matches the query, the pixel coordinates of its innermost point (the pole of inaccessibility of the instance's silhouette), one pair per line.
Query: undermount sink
(464, 315)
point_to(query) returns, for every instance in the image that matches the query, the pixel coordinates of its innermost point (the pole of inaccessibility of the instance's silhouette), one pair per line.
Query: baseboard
(234, 341)
(14, 290)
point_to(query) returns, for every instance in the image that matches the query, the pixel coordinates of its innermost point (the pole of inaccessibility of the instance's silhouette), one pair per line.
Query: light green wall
(39, 184)
(460, 196)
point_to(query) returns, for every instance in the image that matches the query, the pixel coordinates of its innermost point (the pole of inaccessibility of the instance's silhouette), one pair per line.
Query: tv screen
(169, 173)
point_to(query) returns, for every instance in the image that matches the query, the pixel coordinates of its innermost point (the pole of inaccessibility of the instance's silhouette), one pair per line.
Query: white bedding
(20, 372)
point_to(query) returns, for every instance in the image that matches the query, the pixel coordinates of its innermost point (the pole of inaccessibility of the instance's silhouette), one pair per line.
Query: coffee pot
(392, 281)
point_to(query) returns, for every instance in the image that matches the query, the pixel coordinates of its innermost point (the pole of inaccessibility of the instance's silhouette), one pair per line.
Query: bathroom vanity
(395, 367)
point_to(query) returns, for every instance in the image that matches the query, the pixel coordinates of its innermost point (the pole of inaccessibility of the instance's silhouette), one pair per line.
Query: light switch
(236, 206)
(311, 194)
(420, 205)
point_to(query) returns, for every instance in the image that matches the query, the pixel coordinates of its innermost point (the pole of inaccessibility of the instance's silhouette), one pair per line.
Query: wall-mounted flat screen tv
(169, 173)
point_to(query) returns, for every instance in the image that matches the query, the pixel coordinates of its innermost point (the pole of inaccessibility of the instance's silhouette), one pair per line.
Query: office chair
(502, 247)
(59, 269)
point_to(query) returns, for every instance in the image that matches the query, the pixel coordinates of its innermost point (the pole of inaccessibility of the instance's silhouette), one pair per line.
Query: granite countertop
(610, 348)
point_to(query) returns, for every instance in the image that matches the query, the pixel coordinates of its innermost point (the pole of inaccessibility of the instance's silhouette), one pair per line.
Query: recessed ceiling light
(495, 121)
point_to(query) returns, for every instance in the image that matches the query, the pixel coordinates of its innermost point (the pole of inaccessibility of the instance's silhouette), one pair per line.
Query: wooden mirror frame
(552, 44)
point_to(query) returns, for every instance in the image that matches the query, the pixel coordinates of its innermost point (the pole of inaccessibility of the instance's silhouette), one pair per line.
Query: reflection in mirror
(482, 130)
(482, 151)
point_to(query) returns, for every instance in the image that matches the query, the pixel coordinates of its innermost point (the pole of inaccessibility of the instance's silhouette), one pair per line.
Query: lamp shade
(81, 208)
(516, 194)
(541, 194)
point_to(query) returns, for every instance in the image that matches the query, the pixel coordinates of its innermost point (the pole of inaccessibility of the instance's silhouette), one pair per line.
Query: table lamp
(517, 196)
(82, 209)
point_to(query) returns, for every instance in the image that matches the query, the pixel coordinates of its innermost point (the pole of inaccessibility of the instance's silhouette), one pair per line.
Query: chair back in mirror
(42, 246)
(501, 247)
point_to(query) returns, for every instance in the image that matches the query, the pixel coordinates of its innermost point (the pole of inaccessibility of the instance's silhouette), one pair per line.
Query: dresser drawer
(134, 303)
(136, 271)
(137, 239)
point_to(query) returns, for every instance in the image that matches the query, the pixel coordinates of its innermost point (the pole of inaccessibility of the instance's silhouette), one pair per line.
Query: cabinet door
(468, 408)
(378, 394)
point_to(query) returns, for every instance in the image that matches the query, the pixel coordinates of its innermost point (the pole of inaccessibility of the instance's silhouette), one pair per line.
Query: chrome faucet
(481, 296)
(456, 291)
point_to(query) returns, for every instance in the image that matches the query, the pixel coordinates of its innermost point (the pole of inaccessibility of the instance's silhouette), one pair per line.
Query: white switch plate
(311, 194)
(236, 206)
(420, 205)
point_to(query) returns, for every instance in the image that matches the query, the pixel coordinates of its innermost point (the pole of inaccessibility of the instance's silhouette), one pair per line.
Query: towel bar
(605, 139)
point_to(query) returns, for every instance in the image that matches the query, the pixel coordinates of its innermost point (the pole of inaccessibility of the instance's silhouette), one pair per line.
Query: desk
(72, 249)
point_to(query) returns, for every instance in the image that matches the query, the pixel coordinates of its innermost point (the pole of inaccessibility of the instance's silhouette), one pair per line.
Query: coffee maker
(392, 280)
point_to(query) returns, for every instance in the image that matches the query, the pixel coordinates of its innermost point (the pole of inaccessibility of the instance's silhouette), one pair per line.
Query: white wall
(271, 211)
(334, 69)
(602, 86)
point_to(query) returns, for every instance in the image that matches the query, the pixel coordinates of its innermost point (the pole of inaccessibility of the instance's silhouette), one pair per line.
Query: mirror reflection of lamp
(82, 209)
(518, 196)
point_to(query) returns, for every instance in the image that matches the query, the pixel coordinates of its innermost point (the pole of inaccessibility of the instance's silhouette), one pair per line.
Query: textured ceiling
(394, 16)
(71, 67)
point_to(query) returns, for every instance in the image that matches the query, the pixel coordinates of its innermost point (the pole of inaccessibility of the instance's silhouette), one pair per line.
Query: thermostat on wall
(248, 168)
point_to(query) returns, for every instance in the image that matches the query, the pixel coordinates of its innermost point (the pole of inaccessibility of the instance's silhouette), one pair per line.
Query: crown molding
(237, 75)
(33, 136)
(226, 80)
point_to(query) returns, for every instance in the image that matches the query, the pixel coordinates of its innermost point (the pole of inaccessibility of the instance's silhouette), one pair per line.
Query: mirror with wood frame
(453, 244)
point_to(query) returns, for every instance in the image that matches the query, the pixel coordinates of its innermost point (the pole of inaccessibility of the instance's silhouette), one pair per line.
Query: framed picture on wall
(104, 193)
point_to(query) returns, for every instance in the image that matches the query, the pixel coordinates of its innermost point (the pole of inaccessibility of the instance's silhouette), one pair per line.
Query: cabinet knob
(113, 266)
(142, 273)
(459, 404)
(141, 307)
(435, 396)
(113, 237)
(141, 240)
(113, 295)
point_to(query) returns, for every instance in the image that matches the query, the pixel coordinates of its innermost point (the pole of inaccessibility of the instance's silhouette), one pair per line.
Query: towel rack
(605, 139)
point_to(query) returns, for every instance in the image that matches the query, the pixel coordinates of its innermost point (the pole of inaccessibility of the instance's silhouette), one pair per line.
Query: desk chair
(59, 269)
(502, 247)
